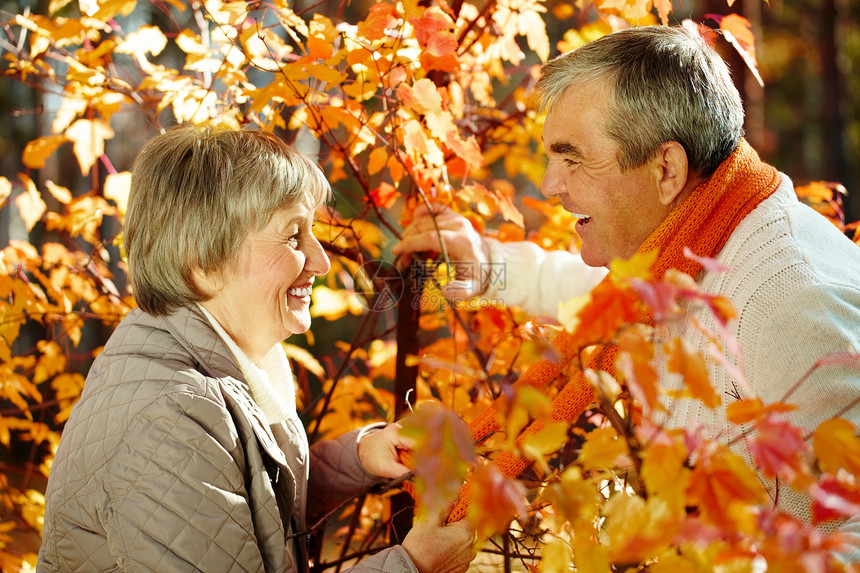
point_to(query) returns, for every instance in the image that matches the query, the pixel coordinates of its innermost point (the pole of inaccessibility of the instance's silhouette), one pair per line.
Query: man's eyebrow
(563, 148)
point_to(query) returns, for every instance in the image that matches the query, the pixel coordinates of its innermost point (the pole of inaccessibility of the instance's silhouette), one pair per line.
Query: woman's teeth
(302, 291)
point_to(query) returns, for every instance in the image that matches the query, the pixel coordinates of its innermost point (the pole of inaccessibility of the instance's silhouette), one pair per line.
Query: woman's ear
(673, 171)
(206, 283)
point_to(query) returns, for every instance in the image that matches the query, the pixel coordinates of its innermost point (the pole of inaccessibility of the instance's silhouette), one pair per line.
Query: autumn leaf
(383, 196)
(834, 498)
(604, 449)
(778, 449)
(39, 150)
(30, 203)
(639, 529)
(638, 266)
(577, 499)
(611, 306)
(5, 190)
(442, 454)
(89, 137)
(683, 359)
(496, 500)
(724, 488)
(381, 16)
(837, 447)
(745, 411)
(738, 31)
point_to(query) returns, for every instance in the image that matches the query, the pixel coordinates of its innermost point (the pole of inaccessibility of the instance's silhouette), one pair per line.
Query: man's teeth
(303, 291)
(580, 216)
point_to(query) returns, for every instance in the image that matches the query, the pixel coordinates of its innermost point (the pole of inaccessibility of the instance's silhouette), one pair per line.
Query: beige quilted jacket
(166, 464)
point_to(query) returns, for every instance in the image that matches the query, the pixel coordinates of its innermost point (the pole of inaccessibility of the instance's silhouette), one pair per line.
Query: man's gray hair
(666, 84)
(196, 193)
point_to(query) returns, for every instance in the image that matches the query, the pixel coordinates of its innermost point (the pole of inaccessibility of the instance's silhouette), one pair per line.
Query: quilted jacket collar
(214, 359)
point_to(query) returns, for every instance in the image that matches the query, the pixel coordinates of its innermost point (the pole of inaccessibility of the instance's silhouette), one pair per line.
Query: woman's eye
(293, 240)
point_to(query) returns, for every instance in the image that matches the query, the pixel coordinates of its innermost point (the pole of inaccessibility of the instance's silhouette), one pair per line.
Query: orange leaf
(724, 488)
(376, 161)
(745, 411)
(39, 150)
(689, 363)
(384, 196)
(381, 16)
(836, 446)
(496, 500)
(442, 453)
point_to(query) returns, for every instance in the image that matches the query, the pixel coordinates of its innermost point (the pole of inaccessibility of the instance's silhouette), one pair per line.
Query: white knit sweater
(794, 281)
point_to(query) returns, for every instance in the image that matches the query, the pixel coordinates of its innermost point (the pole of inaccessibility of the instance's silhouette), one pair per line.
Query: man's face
(617, 209)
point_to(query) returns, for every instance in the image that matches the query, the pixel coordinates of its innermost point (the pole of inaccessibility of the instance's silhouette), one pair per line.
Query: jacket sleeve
(525, 275)
(335, 472)
(174, 492)
(391, 560)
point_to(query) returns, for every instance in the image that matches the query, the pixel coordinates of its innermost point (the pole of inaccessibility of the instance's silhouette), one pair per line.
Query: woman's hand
(438, 548)
(466, 249)
(379, 452)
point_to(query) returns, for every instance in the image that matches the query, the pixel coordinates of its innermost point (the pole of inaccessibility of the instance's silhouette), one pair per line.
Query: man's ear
(672, 171)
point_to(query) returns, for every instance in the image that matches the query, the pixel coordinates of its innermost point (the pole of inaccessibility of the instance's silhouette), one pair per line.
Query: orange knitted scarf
(703, 222)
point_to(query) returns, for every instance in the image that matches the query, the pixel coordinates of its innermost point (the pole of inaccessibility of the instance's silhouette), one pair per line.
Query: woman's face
(265, 295)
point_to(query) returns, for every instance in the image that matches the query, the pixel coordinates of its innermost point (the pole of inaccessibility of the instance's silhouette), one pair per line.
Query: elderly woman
(185, 452)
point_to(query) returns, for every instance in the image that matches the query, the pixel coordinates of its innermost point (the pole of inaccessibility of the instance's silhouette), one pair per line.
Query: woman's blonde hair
(196, 193)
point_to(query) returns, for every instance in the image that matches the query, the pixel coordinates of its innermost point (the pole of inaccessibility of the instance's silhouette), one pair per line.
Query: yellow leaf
(663, 469)
(577, 499)
(557, 557)
(146, 39)
(5, 189)
(30, 203)
(603, 449)
(549, 439)
(836, 446)
(325, 74)
(89, 137)
(305, 358)
(333, 304)
(39, 150)
(117, 187)
(59, 192)
(52, 361)
(589, 555)
(638, 266)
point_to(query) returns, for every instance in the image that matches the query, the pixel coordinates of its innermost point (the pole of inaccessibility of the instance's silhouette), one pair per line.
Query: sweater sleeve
(175, 496)
(525, 275)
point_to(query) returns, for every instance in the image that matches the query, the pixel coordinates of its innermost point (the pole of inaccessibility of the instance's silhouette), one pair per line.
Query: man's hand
(466, 249)
(379, 452)
(438, 548)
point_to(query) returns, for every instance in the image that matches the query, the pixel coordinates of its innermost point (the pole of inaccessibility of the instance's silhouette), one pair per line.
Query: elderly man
(644, 135)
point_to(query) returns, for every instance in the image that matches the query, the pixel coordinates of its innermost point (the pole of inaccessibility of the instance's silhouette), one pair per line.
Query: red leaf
(833, 498)
(778, 448)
